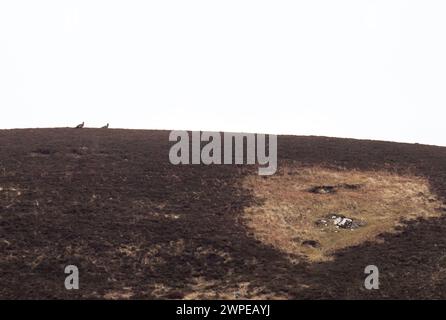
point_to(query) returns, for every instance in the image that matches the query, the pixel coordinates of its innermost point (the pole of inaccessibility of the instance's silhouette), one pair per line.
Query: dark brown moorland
(110, 202)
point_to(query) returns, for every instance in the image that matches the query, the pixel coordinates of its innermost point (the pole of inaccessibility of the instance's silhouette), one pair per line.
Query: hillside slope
(110, 202)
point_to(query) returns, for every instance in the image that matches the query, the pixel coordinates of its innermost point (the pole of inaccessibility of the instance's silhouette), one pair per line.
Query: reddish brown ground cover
(138, 227)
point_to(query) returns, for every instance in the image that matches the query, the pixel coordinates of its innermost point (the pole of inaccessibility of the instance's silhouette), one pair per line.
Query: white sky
(361, 69)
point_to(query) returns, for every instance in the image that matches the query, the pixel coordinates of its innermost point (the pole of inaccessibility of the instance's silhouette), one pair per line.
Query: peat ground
(110, 202)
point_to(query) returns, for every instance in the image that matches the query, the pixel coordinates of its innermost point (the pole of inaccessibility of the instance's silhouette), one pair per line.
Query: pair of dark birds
(80, 126)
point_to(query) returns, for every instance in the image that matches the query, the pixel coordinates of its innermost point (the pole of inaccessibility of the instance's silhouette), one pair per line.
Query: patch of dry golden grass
(289, 211)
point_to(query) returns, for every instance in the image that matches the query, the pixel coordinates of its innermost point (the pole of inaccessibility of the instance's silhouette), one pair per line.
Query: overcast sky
(361, 69)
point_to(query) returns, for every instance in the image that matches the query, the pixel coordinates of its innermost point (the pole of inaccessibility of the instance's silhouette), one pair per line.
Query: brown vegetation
(292, 202)
(109, 202)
